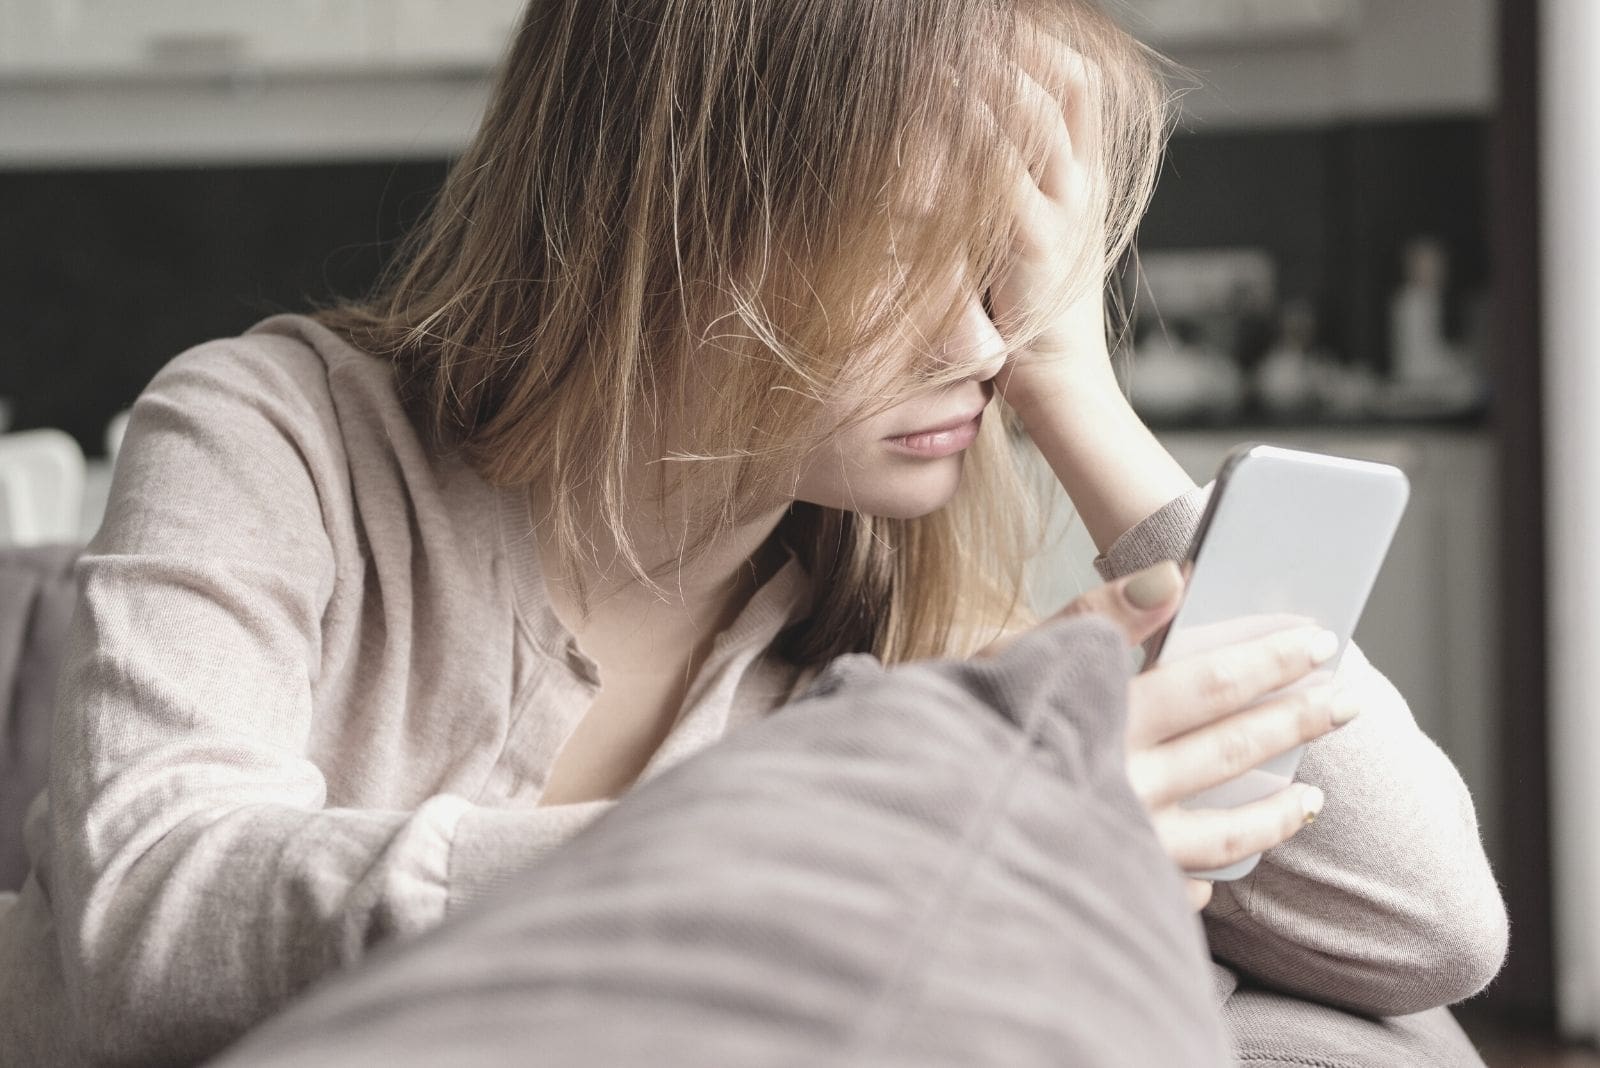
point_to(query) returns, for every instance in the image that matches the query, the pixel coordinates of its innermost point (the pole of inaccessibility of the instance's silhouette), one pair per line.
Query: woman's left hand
(1060, 228)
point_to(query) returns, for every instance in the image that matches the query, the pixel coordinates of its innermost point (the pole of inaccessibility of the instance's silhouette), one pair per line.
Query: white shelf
(108, 83)
(164, 40)
(286, 120)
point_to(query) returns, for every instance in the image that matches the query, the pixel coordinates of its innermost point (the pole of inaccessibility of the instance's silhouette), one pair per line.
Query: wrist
(1111, 465)
(1077, 398)
(1048, 384)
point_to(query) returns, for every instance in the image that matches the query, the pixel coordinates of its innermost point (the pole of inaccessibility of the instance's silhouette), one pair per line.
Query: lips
(953, 423)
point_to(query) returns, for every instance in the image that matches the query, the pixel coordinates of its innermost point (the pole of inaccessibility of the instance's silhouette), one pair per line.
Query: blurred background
(1372, 237)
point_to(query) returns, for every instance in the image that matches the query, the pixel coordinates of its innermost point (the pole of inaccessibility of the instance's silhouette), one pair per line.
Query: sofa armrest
(1272, 1030)
(37, 594)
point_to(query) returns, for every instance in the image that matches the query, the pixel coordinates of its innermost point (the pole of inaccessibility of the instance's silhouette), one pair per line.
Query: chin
(902, 490)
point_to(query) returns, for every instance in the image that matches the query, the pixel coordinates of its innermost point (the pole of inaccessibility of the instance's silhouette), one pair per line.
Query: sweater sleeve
(197, 877)
(1386, 904)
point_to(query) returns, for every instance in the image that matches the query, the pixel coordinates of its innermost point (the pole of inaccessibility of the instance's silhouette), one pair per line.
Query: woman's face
(906, 461)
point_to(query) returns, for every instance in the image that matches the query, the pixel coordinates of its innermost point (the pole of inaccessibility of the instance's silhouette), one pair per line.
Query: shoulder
(225, 377)
(287, 356)
(287, 379)
(234, 430)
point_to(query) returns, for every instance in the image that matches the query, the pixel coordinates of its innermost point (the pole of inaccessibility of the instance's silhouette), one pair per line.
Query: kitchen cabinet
(155, 39)
(1429, 624)
(99, 81)
(164, 82)
(89, 38)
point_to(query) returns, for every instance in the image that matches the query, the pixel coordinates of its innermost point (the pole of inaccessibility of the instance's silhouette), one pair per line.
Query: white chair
(97, 481)
(114, 432)
(41, 487)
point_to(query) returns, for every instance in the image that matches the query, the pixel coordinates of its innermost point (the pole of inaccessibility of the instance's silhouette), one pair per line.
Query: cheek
(845, 458)
(855, 471)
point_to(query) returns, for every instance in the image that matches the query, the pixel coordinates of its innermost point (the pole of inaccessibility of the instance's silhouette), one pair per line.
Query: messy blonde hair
(700, 213)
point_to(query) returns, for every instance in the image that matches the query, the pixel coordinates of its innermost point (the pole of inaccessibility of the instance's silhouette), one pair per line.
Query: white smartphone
(1287, 538)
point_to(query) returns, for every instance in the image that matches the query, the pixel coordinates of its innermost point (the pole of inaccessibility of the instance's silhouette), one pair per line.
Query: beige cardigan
(313, 690)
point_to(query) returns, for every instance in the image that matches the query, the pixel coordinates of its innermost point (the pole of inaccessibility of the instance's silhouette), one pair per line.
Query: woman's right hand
(1200, 720)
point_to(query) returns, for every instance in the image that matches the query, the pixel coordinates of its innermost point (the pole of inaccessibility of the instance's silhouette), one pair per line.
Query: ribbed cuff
(1163, 535)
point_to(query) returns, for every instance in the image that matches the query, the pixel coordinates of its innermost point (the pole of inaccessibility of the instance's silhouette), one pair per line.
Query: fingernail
(1311, 801)
(1323, 645)
(1153, 586)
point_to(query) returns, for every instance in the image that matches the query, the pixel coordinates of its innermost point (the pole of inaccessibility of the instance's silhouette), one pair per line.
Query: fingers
(1075, 82)
(1203, 839)
(1041, 129)
(1220, 751)
(1199, 893)
(1178, 696)
(1066, 88)
(1040, 125)
(1036, 218)
(1034, 211)
(1050, 120)
(1139, 604)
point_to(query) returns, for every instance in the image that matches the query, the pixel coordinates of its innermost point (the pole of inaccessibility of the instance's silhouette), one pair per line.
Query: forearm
(266, 899)
(1108, 461)
(1387, 904)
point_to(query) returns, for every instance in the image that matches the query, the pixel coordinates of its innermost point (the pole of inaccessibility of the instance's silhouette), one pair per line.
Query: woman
(673, 397)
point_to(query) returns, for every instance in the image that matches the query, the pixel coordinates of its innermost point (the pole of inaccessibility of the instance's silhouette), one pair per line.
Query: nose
(978, 342)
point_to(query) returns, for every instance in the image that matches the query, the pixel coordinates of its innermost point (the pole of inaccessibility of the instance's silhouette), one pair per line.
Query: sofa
(37, 594)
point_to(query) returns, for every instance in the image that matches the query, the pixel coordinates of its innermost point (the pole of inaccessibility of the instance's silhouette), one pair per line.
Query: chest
(620, 731)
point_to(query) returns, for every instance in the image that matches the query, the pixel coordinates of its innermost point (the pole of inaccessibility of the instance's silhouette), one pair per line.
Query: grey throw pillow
(938, 864)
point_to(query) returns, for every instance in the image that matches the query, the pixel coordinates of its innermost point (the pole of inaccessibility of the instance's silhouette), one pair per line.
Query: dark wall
(105, 275)
(1334, 206)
